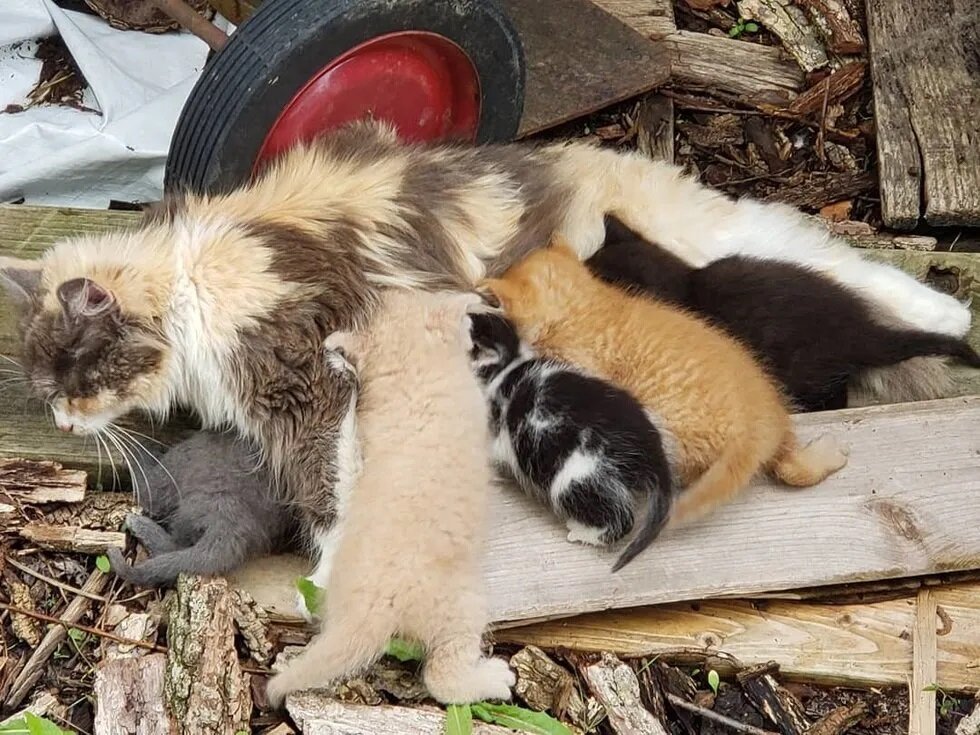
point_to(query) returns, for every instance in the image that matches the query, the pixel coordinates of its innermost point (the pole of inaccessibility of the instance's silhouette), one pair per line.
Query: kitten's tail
(350, 642)
(903, 345)
(658, 506)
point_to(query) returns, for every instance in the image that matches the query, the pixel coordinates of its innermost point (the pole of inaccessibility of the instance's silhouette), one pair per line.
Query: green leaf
(518, 718)
(714, 680)
(102, 562)
(15, 727)
(459, 719)
(311, 594)
(751, 27)
(735, 31)
(77, 636)
(930, 688)
(404, 650)
(40, 726)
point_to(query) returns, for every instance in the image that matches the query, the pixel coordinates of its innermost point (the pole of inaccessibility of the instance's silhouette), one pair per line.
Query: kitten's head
(495, 344)
(92, 345)
(537, 290)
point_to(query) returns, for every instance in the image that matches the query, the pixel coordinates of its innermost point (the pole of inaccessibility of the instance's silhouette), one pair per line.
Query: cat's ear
(21, 280)
(83, 298)
(504, 291)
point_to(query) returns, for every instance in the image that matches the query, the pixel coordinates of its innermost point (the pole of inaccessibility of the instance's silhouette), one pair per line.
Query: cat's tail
(658, 490)
(900, 345)
(350, 642)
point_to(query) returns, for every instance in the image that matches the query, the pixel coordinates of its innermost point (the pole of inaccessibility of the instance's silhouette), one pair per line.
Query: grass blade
(518, 718)
(459, 719)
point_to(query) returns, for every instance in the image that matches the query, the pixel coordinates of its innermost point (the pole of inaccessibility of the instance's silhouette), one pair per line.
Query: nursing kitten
(221, 303)
(412, 533)
(580, 445)
(207, 511)
(812, 334)
(726, 416)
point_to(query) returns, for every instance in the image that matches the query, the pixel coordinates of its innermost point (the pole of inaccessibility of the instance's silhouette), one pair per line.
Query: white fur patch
(578, 465)
(579, 533)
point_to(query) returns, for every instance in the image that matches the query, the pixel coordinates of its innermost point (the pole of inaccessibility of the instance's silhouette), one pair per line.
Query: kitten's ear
(21, 280)
(504, 291)
(83, 298)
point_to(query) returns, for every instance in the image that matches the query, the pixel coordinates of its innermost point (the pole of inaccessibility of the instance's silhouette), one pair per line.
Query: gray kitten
(213, 512)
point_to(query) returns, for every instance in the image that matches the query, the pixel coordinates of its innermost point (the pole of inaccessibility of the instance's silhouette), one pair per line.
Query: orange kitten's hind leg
(808, 465)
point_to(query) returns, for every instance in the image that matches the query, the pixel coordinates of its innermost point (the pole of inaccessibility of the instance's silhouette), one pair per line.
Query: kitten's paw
(117, 561)
(579, 533)
(149, 533)
(494, 679)
(828, 450)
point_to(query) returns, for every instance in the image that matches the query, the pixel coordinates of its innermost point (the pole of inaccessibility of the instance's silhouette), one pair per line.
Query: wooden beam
(922, 697)
(853, 645)
(927, 93)
(761, 73)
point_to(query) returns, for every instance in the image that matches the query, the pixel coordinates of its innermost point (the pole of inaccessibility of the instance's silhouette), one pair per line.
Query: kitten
(222, 302)
(412, 533)
(207, 510)
(578, 444)
(812, 334)
(728, 418)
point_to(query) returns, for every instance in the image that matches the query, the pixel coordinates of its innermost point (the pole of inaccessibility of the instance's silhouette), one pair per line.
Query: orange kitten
(725, 415)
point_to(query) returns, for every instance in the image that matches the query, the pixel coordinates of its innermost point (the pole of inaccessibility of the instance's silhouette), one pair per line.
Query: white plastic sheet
(58, 155)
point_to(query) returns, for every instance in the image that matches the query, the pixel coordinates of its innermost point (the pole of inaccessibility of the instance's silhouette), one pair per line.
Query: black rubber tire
(284, 43)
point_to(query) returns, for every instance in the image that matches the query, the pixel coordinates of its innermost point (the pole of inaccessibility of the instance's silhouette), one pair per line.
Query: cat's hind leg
(808, 465)
(150, 533)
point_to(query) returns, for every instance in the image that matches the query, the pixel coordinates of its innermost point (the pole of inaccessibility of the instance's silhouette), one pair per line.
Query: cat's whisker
(98, 448)
(112, 463)
(11, 360)
(129, 459)
(145, 436)
(135, 442)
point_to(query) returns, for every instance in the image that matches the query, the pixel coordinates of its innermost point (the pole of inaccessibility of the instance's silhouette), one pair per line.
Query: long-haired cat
(582, 446)
(207, 509)
(222, 302)
(412, 532)
(813, 334)
(727, 417)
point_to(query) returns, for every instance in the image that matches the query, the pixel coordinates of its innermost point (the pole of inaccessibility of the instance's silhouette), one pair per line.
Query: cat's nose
(65, 426)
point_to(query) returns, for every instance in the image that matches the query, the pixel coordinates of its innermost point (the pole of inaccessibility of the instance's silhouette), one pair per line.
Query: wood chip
(134, 627)
(25, 628)
(705, 4)
(838, 86)
(838, 211)
(843, 32)
(101, 511)
(33, 482)
(777, 703)
(970, 725)
(798, 35)
(72, 538)
(817, 189)
(616, 687)
(252, 622)
(129, 696)
(838, 721)
(43, 704)
(655, 127)
(544, 685)
(718, 132)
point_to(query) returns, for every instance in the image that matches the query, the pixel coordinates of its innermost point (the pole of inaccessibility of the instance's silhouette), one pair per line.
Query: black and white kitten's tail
(900, 345)
(658, 495)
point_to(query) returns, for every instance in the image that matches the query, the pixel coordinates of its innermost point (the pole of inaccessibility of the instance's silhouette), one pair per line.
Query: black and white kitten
(812, 334)
(581, 446)
(208, 510)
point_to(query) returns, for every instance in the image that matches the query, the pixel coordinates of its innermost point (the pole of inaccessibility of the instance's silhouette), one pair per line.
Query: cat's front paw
(579, 533)
(495, 679)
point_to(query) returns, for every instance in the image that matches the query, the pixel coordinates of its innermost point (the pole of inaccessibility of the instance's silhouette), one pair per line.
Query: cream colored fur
(412, 532)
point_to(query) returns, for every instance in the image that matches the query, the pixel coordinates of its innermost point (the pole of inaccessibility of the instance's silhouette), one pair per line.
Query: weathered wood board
(650, 18)
(866, 644)
(579, 60)
(927, 109)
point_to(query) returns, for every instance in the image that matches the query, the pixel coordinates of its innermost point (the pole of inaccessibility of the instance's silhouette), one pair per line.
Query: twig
(716, 717)
(194, 22)
(54, 582)
(821, 154)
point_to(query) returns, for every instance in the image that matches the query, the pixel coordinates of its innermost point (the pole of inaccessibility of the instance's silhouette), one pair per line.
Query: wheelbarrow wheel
(296, 68)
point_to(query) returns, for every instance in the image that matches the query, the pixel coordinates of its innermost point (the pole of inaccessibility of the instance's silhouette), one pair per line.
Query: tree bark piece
(927, 93)
(793, 28)
(779, 705)
(544, 685)
(970, 725)
(72, 538)
(843, 34)
(56, 634)
(655, 128)
(817, 189)
(838, 721)
(206, 690)
(129, 697)
(37, 482)
(759, 73)
(922, 697)
(839, 85)
(101, 511)
(616, 687)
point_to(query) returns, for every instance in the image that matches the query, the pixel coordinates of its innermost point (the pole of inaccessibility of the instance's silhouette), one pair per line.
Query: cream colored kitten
(411, 534)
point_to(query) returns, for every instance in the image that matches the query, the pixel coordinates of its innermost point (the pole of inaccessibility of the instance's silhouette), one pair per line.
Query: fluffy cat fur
(812, 334)
(207, 511)
(221, 302)
(580, 445)
(408, 560)
(727, 417)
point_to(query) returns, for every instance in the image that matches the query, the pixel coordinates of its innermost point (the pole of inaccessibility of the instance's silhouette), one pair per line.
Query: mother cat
(222, 303)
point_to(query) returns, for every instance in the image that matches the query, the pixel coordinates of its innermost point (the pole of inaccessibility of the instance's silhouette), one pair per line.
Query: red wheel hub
(422, 83)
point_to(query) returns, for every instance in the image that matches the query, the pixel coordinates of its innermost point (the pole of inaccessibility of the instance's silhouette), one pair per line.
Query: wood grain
(72, 538)
(651, 18)
(927, 94)
(761, 73)
(922, 696)
(129, 697)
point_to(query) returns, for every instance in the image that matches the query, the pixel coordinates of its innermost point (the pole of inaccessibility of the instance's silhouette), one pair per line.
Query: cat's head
(495, 344)
(537, 289)
(92, 345)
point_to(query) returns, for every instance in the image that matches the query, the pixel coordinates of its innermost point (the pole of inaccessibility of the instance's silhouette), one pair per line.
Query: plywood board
(927, 97)
(579, 60)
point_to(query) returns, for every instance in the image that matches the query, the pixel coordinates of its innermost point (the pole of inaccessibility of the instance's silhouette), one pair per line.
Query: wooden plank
(651, 18)
(854, 645)
(922, 696)
(927, 93)
(579, 60)
(761, 73)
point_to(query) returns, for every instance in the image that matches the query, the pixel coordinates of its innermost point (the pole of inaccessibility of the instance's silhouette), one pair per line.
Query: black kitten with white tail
(813, 334)
(581, 446)
(208, 510)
